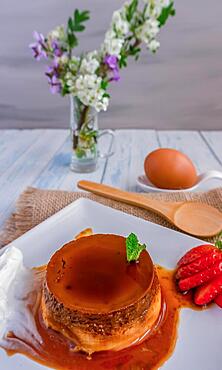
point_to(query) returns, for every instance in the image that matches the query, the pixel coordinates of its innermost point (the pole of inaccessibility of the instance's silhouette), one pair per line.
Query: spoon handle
(165, 209)
(209, 175)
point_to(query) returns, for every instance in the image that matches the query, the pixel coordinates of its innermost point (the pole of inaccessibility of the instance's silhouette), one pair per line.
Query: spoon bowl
(190, 217)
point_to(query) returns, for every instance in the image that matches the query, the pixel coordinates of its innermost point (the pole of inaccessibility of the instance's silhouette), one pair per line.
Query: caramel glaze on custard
(59, 352)
(100, 301)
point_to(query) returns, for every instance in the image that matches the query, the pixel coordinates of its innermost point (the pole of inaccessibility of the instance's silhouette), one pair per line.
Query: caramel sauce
(93, 273)
(57, 352)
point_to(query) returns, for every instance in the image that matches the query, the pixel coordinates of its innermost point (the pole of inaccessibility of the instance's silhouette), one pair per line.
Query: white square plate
(199, 342)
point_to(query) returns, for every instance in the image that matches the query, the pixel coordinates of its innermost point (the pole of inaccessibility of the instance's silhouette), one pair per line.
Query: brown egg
(170, 169)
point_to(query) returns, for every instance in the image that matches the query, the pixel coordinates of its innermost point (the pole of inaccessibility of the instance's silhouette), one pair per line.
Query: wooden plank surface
(26, 168)
(127, 162)
(41, 158)
(56, 174)
(214, 140)
(13, 144)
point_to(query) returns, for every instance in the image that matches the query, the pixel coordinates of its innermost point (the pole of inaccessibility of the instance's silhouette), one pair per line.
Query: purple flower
(52, 73)
(115, 76)
(53, 70)
(39, 37)
(55, 85)
(112, 62)
(38, 47)
(56, 49)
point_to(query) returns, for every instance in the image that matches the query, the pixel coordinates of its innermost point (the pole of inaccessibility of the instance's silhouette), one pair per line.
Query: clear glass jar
(85, 135)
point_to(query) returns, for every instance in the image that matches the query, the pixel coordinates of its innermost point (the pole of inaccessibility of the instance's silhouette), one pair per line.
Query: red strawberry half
(209, 291)
(199, 264)
(196, 253)
(201, 277)
(218, 300)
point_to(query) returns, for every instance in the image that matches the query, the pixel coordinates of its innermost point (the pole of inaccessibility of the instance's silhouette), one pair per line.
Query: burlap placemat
(35, 205)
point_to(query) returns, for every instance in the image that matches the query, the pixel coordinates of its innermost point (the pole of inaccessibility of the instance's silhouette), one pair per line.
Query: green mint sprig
(218, 242)
(133, 248)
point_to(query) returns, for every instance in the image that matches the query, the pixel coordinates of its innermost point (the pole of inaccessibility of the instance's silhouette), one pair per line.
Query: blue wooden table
(40, 158)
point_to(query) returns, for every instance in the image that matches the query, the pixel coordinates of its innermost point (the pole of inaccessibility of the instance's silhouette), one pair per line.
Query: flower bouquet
(86, 78)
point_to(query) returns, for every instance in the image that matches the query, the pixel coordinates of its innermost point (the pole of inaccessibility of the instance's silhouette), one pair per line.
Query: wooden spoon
(194, 218)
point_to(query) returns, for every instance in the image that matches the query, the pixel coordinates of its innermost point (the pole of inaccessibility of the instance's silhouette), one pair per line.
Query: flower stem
(82, 120)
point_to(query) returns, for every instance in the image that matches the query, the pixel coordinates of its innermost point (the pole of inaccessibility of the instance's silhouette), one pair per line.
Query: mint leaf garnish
(218, 242)
(133, 248)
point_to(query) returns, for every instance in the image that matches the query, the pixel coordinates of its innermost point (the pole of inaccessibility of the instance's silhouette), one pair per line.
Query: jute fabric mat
(36, 205)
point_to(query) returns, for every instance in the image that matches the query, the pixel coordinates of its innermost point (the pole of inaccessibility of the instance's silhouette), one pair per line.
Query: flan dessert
(97, 299)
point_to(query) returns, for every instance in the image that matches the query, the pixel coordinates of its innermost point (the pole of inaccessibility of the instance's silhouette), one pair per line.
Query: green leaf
(218, 242)
(106, 95)
(133, 50)
(133, 248)
(104, 84)
(75, 25)
(166, 12)
(72, 40)
(76, 16)
(65, 90)
(80, 153)
(80, 17)
(123, 61)
(78, 28)
(87, 135)
(84, 16)
(131, 10)
(70, 24)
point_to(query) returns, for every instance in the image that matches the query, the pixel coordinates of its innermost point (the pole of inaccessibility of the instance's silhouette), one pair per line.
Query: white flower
(152, 27)
(153, 45)
(63, 59)
(89, 65)
(58, 33)
(148, 31)
(69, 79)
(110, 34)
(83, 97)
(85, 82)
(113, 46)
(102, 104)
(92, 81)
(75, 60)
(120, 25)
(155, 7)
(93, 54)
(74, 64)
(88, 89)
(80, 83)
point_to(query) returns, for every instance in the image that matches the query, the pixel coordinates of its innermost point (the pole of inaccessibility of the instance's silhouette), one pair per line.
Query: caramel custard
(68, 309)
(58, 352)
(96, 298)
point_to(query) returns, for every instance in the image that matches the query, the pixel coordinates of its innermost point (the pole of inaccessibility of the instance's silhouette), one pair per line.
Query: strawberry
(195, 253)
(199, 264)
(201, 277)
(208, 291)
(218, 300)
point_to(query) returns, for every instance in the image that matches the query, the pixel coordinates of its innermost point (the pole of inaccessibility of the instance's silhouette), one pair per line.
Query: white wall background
(180, 87)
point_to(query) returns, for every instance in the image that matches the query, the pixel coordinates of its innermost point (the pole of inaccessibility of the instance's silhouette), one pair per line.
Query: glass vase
(85, 135)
